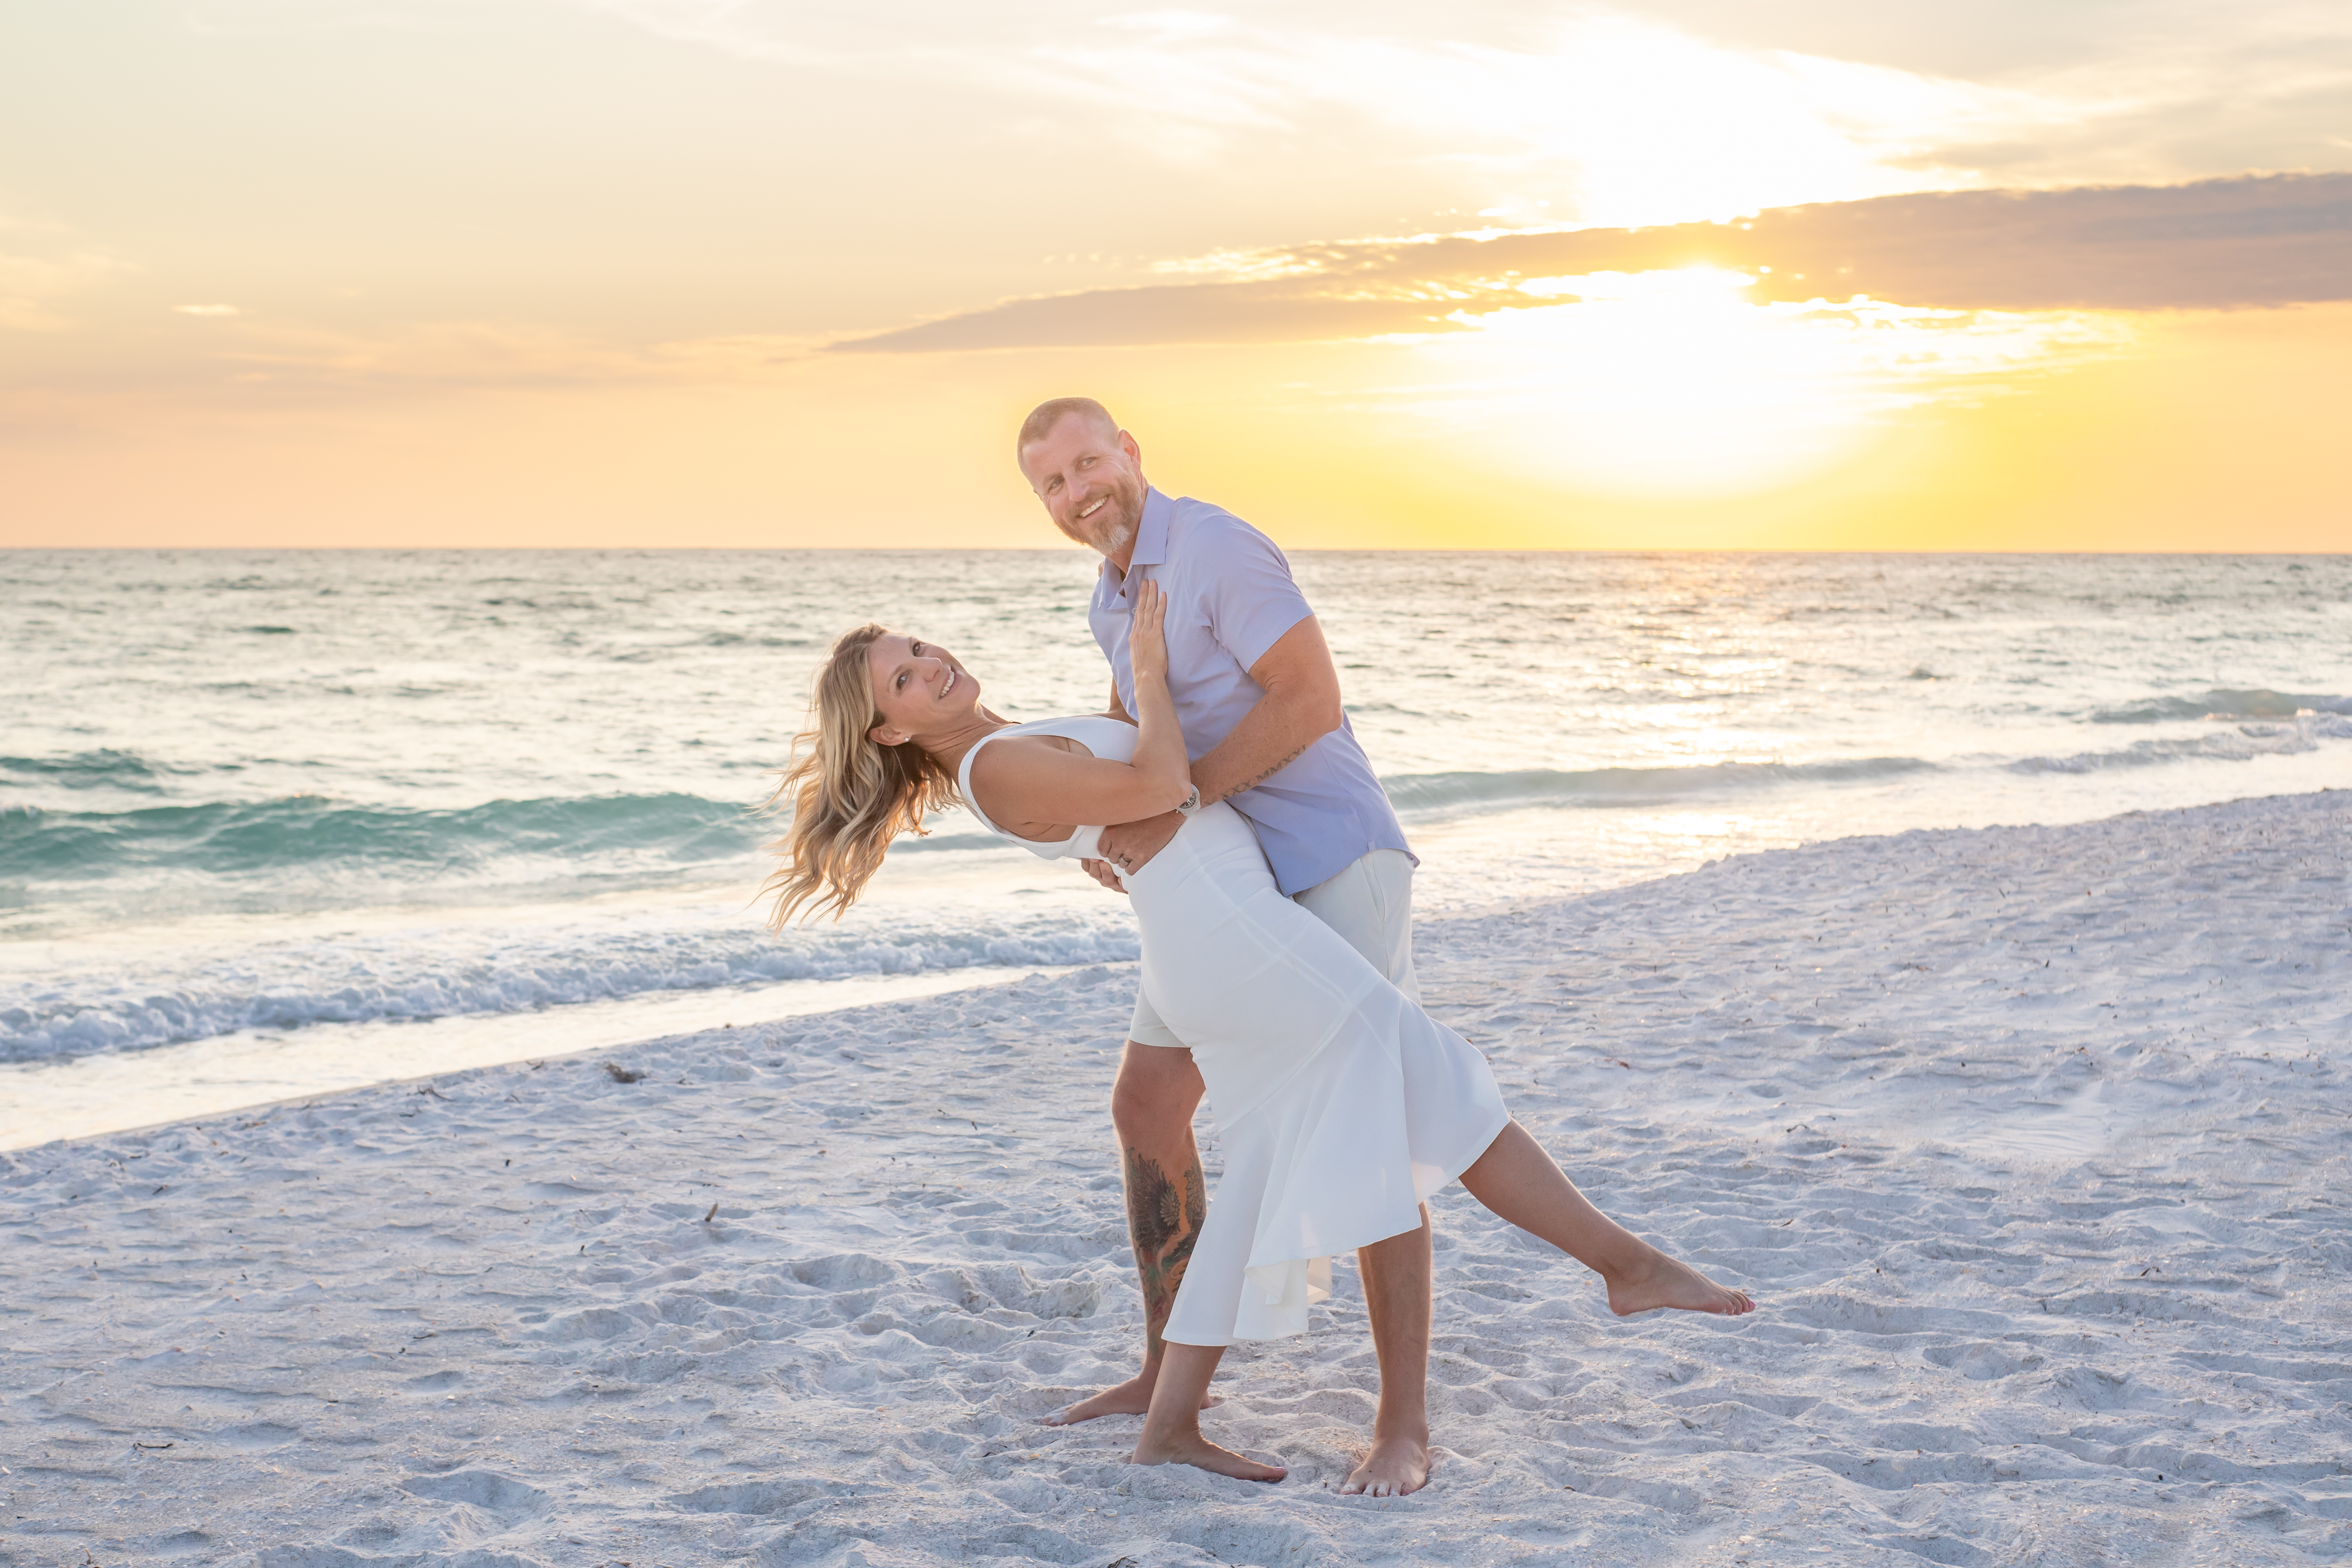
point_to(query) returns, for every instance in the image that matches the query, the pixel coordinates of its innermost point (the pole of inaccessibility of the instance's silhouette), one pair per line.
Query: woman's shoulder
(1006, 743)
(1010, 746)
(1009, 754)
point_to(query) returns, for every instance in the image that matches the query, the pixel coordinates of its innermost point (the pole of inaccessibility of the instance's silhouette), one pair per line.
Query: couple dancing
(1226, 795)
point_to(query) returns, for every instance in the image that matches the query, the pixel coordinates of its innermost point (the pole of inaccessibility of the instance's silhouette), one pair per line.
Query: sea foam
(432, 973)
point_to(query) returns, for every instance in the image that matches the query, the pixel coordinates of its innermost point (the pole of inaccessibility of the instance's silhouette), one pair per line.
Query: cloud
(272, 362)
(207, 311)
(2248, 241)
(1612, 116)
(1289, 310)
(1609, 116)
(31, 282)
(18, 314)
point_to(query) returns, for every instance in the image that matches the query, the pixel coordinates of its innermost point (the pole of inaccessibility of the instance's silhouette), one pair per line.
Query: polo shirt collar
(1151, 533)
(1150, 543)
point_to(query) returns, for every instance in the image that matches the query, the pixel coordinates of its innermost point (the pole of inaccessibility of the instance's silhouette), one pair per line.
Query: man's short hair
(1052, 412)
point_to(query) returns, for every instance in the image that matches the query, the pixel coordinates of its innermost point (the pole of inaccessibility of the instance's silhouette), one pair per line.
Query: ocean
(277, 822)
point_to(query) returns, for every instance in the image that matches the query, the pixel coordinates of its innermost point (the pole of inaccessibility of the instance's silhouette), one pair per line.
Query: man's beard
(1114, 539)
(1126, 505)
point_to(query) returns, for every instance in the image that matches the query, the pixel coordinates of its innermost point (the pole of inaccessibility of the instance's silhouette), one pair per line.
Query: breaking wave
(424, 974)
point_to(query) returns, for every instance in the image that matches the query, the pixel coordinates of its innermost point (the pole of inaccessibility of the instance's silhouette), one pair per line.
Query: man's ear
(888, 735)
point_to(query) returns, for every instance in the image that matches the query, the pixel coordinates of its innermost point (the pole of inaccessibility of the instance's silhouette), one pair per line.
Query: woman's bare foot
(1132, 1397)
(1191, 1448)
(1395, 1467)
(1660, 1281)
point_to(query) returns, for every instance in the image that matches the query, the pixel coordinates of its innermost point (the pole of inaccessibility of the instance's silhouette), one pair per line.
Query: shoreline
(2026, 1140)
(219, 1075)
(76, 1090)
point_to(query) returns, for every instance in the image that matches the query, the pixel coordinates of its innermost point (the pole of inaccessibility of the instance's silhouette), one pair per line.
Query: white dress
(1340, 1104)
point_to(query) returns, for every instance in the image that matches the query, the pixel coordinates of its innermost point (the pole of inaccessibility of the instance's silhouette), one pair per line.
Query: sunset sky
(2065, 274)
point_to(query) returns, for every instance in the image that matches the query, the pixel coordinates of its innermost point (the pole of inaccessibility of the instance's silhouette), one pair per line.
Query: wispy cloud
(42, 264)
(2190, 89)
(265, 361)
(2217, 243)
(1603, 116)
(1610, 117)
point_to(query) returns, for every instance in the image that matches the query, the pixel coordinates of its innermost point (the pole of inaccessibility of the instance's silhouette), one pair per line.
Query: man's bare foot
(1661, 1281)
(1132, 1397)
(1395, 1467)
(1194, 1450)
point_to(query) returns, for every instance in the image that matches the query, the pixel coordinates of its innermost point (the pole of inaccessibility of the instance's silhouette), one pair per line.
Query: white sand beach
(2030, 1142)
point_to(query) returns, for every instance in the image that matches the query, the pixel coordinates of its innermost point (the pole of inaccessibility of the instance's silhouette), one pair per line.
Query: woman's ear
(888, 735)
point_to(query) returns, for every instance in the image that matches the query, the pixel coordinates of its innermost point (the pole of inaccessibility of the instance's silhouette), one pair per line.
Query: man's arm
(1301, 705)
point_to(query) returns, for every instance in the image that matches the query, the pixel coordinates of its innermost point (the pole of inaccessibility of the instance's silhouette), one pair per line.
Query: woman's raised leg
(1517, 1181)
(1172, 1427)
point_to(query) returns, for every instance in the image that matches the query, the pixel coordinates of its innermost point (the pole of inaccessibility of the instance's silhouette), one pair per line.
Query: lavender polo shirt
(1229, 598)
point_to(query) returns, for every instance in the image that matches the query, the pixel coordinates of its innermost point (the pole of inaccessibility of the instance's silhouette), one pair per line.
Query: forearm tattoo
(1163, 1220)
(1269, 772)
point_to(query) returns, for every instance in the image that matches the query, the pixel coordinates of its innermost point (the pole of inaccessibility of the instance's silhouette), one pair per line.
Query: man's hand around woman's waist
(1130, 846)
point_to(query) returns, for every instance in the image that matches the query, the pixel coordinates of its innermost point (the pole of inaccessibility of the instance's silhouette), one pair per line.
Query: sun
(1675, 383)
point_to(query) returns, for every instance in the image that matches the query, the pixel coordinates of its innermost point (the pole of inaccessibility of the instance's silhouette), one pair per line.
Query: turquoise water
(275, 790)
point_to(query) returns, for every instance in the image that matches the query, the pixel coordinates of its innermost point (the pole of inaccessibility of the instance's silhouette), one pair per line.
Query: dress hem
(1448, 1179)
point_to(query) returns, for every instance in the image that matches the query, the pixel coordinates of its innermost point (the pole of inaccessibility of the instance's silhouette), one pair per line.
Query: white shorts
(1369, 904)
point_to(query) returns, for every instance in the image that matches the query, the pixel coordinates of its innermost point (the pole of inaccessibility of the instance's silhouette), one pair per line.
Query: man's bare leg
(1172, 1428)
(1396, 1276)
(1151, 1107)
(1517, 1180)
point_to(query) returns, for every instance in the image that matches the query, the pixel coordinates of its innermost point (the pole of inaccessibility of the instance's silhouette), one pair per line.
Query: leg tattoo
(1163, 1220)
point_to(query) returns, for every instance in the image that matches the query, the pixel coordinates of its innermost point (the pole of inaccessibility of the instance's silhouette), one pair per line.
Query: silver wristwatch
(1191, 804)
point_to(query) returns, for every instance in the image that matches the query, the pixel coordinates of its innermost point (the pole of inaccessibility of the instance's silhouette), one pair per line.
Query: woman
(1340, 1105)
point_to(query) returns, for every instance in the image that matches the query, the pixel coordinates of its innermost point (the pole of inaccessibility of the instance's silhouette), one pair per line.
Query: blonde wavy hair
(848, 795)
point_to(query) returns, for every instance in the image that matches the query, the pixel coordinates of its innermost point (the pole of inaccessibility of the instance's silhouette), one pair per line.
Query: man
(1259, 700)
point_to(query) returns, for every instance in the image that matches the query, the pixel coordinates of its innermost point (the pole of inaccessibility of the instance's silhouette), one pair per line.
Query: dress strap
(964, 783)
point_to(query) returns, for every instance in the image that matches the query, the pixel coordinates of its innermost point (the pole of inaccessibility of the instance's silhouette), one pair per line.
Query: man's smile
(1097, 507)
